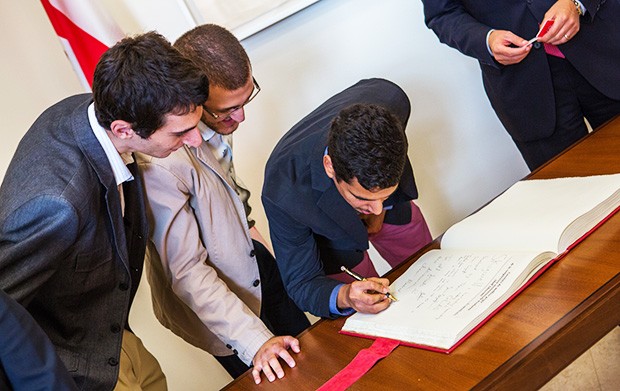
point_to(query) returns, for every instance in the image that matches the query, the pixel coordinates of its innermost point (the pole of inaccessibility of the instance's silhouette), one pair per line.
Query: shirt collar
(117, 161)
(206, 132)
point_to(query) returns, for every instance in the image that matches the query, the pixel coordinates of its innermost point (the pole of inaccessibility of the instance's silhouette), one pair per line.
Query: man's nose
(238, 115)
(376, 207)
(193, 138)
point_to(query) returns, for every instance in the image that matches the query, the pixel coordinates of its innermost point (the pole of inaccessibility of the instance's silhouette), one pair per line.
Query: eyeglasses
(230, 112)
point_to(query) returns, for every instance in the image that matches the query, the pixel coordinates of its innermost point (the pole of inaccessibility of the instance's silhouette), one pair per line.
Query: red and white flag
(86, 30)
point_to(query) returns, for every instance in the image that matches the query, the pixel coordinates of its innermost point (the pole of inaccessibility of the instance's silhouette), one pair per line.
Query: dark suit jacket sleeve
(460, 23)
(27, 356)
(36, 234)
(458, 29)
(298, 259)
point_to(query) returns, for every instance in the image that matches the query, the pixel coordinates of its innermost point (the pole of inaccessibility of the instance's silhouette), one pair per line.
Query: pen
(360, 278)
(543, 30)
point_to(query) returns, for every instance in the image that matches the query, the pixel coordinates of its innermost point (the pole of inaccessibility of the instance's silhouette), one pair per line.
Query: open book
(488, 258)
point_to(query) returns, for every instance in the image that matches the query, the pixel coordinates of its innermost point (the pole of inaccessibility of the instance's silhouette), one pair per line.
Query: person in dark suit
(541, 92)
(337, 180)
(73, 226)
(28, 360)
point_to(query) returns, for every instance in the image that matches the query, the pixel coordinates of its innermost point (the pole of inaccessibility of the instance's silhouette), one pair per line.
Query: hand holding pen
(360, 278)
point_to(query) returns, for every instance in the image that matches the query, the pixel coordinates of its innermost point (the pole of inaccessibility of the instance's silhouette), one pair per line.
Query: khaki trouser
(139, 369)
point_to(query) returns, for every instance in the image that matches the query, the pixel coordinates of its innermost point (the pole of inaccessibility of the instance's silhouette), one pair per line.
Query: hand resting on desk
(266, 359)
(366, 296)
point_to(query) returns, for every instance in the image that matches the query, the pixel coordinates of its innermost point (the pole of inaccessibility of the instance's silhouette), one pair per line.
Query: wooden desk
(567, 310)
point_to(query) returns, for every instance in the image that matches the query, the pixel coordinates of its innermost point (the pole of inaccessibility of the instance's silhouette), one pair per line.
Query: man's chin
(163, 154)
(167, 153)
(226, 130)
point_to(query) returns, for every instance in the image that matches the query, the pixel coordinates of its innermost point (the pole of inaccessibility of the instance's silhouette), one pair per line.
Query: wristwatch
(578, 6)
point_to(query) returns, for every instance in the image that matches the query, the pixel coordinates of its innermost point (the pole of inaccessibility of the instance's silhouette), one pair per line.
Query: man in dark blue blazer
(73, 226)
(541, 92)
(337, 180)
(28, 360)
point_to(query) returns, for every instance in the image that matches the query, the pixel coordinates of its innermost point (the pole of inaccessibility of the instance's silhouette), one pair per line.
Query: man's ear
(121, 129)
(327, 165)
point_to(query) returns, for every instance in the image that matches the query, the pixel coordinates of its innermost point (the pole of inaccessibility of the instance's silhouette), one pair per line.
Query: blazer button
(537, 45)
(123, 286)
(256, 283)
(113, 361)
(229, 346)
(115, 328)
(252, 253)
(235, 351)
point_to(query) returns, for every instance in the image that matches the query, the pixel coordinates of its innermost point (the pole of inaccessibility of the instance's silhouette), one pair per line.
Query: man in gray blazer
(219, 288)
(73, 226)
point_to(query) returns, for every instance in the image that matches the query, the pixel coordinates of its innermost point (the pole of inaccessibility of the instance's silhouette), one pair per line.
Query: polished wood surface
(567, 310)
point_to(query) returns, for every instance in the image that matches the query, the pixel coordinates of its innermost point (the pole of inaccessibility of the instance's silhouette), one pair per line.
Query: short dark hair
(218, 53)
(367, 142)
(141, 79)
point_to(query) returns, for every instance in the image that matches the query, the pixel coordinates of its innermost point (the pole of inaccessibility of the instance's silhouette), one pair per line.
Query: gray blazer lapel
(96, 157)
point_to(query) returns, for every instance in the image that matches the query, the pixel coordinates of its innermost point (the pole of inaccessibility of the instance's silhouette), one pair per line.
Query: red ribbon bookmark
(361, 363)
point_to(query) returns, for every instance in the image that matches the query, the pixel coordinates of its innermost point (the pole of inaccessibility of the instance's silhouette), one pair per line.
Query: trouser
(395, 243)
(139, 369)
(278, 311)
(575, 99)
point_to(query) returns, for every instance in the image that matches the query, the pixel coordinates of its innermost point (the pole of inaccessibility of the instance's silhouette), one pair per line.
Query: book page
(446, 293)
(532, 215)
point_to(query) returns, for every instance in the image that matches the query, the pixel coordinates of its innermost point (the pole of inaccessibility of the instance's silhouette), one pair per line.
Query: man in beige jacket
(214, 282)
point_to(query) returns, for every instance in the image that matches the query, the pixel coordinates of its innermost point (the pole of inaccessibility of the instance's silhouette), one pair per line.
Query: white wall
(461, 155)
